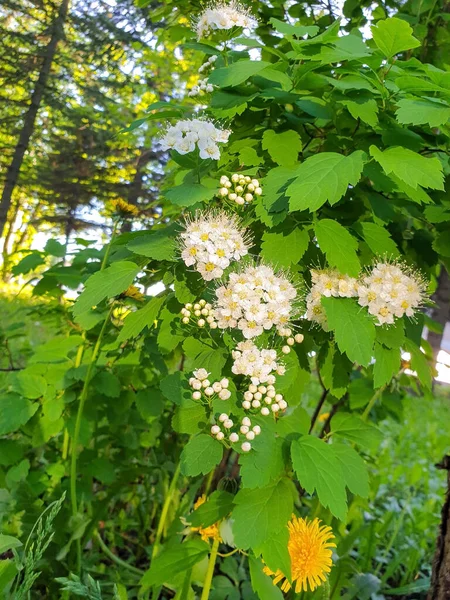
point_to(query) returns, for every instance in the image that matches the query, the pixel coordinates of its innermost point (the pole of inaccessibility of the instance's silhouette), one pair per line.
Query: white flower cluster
(202, 385)
(186, 135)
(391, 290)
(203, 87)
(255, 300)
(234, 437)
(327, 282)
(211, 241)
(239, 189)
(224, 16)
(201, 312)
(257, 364)
(255, 396)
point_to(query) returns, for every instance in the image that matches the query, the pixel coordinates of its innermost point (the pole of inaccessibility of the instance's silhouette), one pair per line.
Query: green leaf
(16, 411)
(295, 30)
(105, 284)
(297, 422)
(284, 250)
(392, 336)
(7, 542)
(412, 168)
(282, 147)
(324, 177)
(419, 364)
(339, 246)
(262, 584)
(348, 47)
(365, 109)
(237, 73)
(354, 469)
(158, 245)
(277, 76)
(189, 417)
(378, 239)
(275, 552)
(55, 248)
(200, 455)
(189, 194)
(393, 36)
(334, 370)
(353, 328)
(265, 463)
(218, 505)
(150, 403)
(29, 384)
(143, 317)
(174, 559)
(387, 364)
(353, 428)
(56, 350)
(172, 388)
(29, 263)
(318, 469)
(419, 111)
(107, 384)
(261, 513)
(442, 243)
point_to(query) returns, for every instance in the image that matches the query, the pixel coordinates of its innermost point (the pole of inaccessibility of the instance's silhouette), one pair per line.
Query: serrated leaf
(275, 552)
(353, 328)
(172, 388)
(218, 505)
(442, 243)
(189, 417)
(200, 455)
(419, 363)
(411, 167)
(339, 246)
(419, 111)
(107, 384)
(354, 469)
(16, 411)
(105, 284)
(262, 512)
(265, 463)
(158, 245)
(189, 194)
(334, 370)
(262, 584)
(387, 364)
(174, 559)
(324, 177)
(392, 336)
(318, 469)
(295, 30)
(237, 73)
(283, 147)
(284, 250)
(365, 109)
(143, 317)
(378, 239)
(348, 47)
(353, 428)
(393, 36)
(296, 423)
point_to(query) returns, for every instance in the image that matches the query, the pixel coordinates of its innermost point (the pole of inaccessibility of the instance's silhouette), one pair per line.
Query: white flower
(257, 364)
(223, 16)
(188, 134)
(209, 243)
(201, 374)
(327, 282)
(391, 290)
(256, 299)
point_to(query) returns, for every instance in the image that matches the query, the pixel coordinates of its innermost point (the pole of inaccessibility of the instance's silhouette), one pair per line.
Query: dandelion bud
(215, 429)
(224, 394)
(246, 404)
(257, 429)
(234, 437)
(299, 337)
(223, 417)
(228, 423)
(265, 411)
(246, 447)
(220, 436)
(196, 395)
(250, 435)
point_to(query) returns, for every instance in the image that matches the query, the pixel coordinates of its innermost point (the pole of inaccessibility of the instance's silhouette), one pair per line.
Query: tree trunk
(441, 313)
(440, 578)
(12, 174)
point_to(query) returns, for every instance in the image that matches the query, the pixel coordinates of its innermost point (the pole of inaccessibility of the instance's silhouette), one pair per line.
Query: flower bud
(258, 191)
(196, 395)
(220, 436)
(215, 429)
(246, 405)
(275, 407)
(299, 337)
(223, 417)
(224, 382)
(234, 437)
(246, 447)
(228, 423)
(257, 429)
(216, 386)
(285, 349)
(224, 394)
(250, 435)
(244, 429)
(246, 421)
(201, 322)
(265, 411)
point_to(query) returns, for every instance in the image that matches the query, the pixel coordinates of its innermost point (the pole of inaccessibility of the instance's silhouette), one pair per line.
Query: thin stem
(209, 481)
(115, 558)
(210, 571)
(165, 510)
(372, 402)
(76, 435)
(108, 247)
(318, 409)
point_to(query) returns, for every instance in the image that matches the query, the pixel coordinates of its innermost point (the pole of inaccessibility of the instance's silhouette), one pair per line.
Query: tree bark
(441, 313)
(137, 185)
(440, 578)
(12, 174)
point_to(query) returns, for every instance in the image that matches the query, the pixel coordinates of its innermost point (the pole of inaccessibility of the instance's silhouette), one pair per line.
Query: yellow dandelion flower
(309, 547)
(206, 533)
(133, 292)
(124, 209)
(323, 417)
